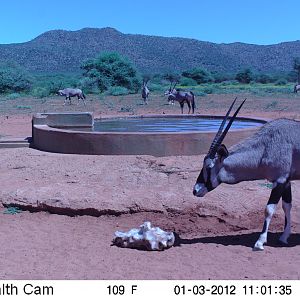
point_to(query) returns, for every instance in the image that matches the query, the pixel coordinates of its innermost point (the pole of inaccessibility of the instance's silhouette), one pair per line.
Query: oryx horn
(221, 127)
(221, 137)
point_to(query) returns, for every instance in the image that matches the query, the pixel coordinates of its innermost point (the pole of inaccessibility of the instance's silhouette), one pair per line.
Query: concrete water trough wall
(48, 137)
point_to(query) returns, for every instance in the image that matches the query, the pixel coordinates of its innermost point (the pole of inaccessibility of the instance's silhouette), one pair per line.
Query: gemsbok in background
(273, 153)
(70, 92)
(296, 88)
(181, 97)
(145, 91)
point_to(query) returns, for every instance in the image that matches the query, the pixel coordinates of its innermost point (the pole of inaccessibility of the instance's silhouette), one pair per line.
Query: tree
(111, 69)
(199, 75)
(14, 79)
(263, 78)
(296, 66)
(244, 76)
(172, 77)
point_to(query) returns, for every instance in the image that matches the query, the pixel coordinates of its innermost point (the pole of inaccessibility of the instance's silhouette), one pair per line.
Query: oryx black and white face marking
(208, 177)
(203, 184)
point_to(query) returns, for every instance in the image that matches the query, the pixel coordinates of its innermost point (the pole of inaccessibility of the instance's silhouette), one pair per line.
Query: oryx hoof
(283, 241)
(259, 246)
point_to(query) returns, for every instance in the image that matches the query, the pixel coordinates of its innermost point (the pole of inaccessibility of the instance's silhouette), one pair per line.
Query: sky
(221, 21)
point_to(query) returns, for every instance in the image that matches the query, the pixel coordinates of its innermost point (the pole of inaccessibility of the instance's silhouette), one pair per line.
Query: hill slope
(64, 51)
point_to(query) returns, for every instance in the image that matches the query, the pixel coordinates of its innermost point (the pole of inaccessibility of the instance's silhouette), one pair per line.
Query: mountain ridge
(61, 50)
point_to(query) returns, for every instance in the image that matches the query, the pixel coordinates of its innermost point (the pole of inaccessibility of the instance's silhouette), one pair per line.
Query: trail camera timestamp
(267, 289)
(245, 290)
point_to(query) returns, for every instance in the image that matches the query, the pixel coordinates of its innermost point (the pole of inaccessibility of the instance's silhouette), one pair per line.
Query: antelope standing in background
(296, 88)
(145, 91)
(181, 97)
(69, 92)
(273, 153)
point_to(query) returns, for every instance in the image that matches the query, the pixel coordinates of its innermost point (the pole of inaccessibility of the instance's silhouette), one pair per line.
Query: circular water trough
(72, 133)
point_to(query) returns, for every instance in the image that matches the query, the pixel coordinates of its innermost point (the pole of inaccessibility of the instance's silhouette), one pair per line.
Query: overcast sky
(220, 21)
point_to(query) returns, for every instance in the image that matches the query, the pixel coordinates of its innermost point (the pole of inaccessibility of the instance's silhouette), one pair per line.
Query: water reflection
(165, 125)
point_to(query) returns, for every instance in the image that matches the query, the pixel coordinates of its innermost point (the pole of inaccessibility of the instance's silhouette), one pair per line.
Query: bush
(45, 85)
(40, 92)
(229, 82)
(89, 85)
(117, 91)
(111, 69)
(244, 76)
(292, 76)
(281, 81)
(222, 77)
(171, 77)
(199, 93)
(199, 75)
(14, 79)
(188, 81)
(13, 96)
(263, 78)
(155, 87)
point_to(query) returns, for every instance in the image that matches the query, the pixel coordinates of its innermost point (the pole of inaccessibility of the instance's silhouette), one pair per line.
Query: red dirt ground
(215, 233)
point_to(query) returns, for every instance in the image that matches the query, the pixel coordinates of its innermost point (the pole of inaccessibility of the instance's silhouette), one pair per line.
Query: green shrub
(111, 69)
(208, 90)
(23, 107)
(244, 76)
(221, 77)
(117, 91)
(188, 81)
(199, 93)
(88, 85)
(54, 82)
(40, 92)
(229, 82)
(199, 75)
(13, 96)
(155, 87)
(281, 81)
(14, 79)
(263, 78)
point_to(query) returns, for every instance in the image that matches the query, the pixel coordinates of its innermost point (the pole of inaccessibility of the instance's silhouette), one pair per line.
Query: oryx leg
(277, 192)
(189, 105)
(181, 106)
(286, 206)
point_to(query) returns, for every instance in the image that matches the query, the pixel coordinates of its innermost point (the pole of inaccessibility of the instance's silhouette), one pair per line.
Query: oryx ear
(222, 152)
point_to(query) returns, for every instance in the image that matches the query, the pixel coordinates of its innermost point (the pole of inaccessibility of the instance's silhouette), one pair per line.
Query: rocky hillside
(63, 51)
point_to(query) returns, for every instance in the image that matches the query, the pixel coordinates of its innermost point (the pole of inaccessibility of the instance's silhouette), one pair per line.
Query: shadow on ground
(247, 240)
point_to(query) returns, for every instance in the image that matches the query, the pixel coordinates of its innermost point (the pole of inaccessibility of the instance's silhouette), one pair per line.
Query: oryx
(273, 153)
(69, 92)
(296, 88)
(182, 97)
(145, 91)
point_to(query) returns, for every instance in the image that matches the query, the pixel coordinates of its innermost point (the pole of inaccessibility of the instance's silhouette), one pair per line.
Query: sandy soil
(215, 234)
